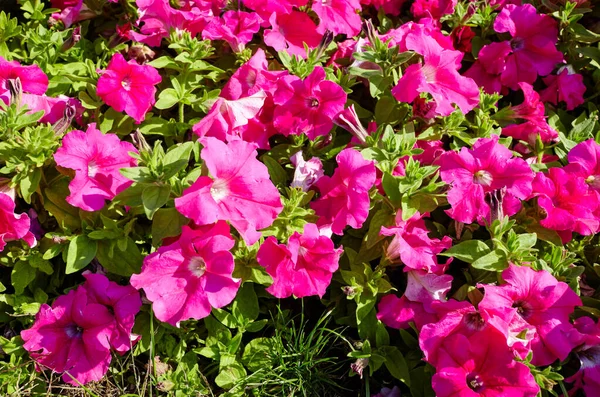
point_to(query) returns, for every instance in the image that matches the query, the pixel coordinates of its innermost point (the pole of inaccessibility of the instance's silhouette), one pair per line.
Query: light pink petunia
(437, 75)
(481, 365)
(413, 246)
(533, 44)
(291, 31)
(302, 267)
(568, 204)
(338, 16)
(344, 199)
(566, 86)
(235, 27)
(33, 80)
(239, 191)
(307, 173)
(486, 181)
(186, 279)
(537, 300)
(72, 337)
(96, 159)
(314, 102)
(13, 226)
(129, 87)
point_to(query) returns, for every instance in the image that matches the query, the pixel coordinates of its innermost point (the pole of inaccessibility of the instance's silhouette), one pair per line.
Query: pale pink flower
(537, 300)
(344, 197)
(302, 267)
(239, 191)
(566, 86)
(338, 16)
(186, 279)
(96, 159)
(485, 181)
(307, 173)
(290, 32)
(13, 226)
(314, 101)
(437, 75)
(481, 365)
(413, 246)
(235, 27)
(33, 80)
(129, 87)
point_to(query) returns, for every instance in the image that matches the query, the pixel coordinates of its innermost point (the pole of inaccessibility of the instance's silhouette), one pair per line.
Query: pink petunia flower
(568, 204)
(537, 300)
(344, 199)
(566, 86)
(338, 16)
(240, 190)
(486, 181)
(129, 87)
(481, 365)
(265, 8)
(437, 75)
(533, 44)
(434, 9)
(412, 245)
(314, 101)
(290, 32)
(13, 226)
(188, 278)
(303, 267)
(72, 337)
(235, 27)
(307, 173)
(96, 159)
(54, 108)
(33, 80)
(584, 161)
(588, 353)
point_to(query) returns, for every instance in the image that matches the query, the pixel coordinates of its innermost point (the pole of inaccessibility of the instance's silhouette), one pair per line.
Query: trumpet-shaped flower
(302, 267)
(338, 16)
(290, 32)
(96, 159)
(344, 199)
(13, 226)
(239, 191)
(33, 80)
(129, 87)
(235, 27)
(307, 173)
(566, 86)
(188, 278)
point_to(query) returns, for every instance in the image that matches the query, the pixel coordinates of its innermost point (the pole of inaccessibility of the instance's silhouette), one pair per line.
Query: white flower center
(482, 177)
(126, 83)
(197, 266)
(92, 169)
(219, 190)
(429, 72)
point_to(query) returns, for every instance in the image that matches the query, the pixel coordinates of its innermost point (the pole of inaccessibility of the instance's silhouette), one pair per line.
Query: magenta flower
(307, 173)
(96, 159)
(314, 101)
(338, 16)
(490, 64)
(129, 87)
(567, 202)
(390, 7)
(344, 199)
(481, 365)
(54, 108)
(235, 27)
(188, 278)
(566, 86)
(265, 8)
(239, 191)
(13, 226)
(290, 32)
(303, 267)
(412, 245)
(533, 44)
(73, 336)
(33, 80)
(588, 353)
(437, 75)
(584, 161)
(537, 300)
(486, 174)
(434, 9)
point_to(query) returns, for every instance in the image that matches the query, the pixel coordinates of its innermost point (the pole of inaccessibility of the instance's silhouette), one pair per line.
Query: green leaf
(177, 159)
(125, 262)
(167, 222)
(29, 184)
(493, 261)
(258, 353)
(81, 251)
(468, 251)
(276, 171)
(137, 174)
(154, 197)
(167, 99)
(396, 364)
(245, 306)
(22, 275)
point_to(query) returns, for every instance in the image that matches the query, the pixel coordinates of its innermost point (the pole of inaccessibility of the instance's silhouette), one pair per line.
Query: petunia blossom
(33, 80)
(240, 190)
(307, 173)
(566, 86)
(537, 300)
(235, 27)
(302, 267)
(96, 159)
(412, 245)
(290, 32)
(129, 87)
(344, 199)
(434, 9)
(486, 181)
(338, 16)
(588, 353)
(13, 226)
(186, 279)
(584, 161)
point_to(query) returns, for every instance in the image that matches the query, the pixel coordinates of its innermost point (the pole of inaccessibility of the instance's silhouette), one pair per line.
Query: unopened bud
(140, 142)
(16, 91)
(60, 127)
(71, 41)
